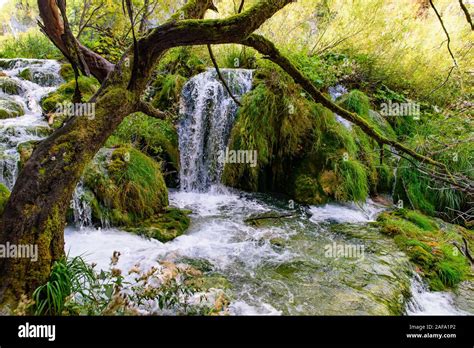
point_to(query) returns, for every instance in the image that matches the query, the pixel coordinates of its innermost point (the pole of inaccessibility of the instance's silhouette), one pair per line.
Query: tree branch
(211, 54)
(149, 110)
(268, 49)
(467, 14)
(201, 32)
(445, 31)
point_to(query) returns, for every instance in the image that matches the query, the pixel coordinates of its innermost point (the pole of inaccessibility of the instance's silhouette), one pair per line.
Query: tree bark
(35, 213)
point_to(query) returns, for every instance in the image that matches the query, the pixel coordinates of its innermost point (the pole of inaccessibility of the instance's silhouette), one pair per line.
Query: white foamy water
(207, 116)
(346, 213)
(425, 302)
(15, 131)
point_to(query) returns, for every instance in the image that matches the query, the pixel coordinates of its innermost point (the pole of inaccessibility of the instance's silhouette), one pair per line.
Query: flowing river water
(281, 267)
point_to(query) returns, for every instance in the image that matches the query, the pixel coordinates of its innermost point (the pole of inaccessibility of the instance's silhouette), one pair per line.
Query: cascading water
(335, 93)
(208, 113)
(43, 78)
(31, 126)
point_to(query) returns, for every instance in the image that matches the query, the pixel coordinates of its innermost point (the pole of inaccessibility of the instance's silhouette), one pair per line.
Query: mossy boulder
(431, 245)
(164, 226)
(303, 151)
(129, 185)
(9, 108)
(87, 85)
(26, 74)
(10, 86)
(157, 138)
(40, 77)
(125, 188)
(4, 195)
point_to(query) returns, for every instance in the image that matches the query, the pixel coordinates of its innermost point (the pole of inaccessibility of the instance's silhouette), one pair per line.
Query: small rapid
(31, 126)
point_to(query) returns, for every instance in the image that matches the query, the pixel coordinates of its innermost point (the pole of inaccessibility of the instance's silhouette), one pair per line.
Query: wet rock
(464, 296)
(9, 108)
(10, 86)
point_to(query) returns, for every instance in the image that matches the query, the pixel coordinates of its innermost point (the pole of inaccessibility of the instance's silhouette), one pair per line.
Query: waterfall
(207, 116)
(335, 93)
(31, 126)
(81, 207)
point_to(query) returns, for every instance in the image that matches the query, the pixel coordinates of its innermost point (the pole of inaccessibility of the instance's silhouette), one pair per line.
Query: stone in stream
(9, 108)
(10, 86)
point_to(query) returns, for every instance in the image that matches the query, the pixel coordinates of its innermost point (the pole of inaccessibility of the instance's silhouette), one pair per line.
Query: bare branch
(445, 31)
(467, 14)
(211, 54)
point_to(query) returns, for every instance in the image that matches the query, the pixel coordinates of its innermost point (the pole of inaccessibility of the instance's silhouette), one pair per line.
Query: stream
(280, 267)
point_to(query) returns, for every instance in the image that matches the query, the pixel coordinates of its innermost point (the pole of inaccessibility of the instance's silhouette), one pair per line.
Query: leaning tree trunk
(35, 213)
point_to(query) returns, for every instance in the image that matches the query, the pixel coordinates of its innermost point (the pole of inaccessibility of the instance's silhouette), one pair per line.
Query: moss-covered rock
(4, 195)
(164, 226)
(26, 74)
(9, 108)
(129, 185)
(157, 138)
(430, 245)
(88, 86)
(10, 86)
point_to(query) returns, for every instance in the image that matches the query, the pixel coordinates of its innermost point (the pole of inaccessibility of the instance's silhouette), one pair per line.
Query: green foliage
(237, 57)
(4, 196)
(430, 246)
(156, 138)
(77, 288)
(68, 276)
(167, 92)
(354, 186)
(31, 44)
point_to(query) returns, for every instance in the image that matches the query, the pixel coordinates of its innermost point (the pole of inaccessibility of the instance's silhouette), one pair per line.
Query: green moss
(9, 86)
(308, 191)
(26, 74)
(429, 246)
(353, 178)
(181, 61)
(356, 101)
(157, 138)
(66, 72)
(9, 108)
(167, 91)
(4, 196)
(164, 226)
(129, 187)
(421, 221)
(87, 85)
